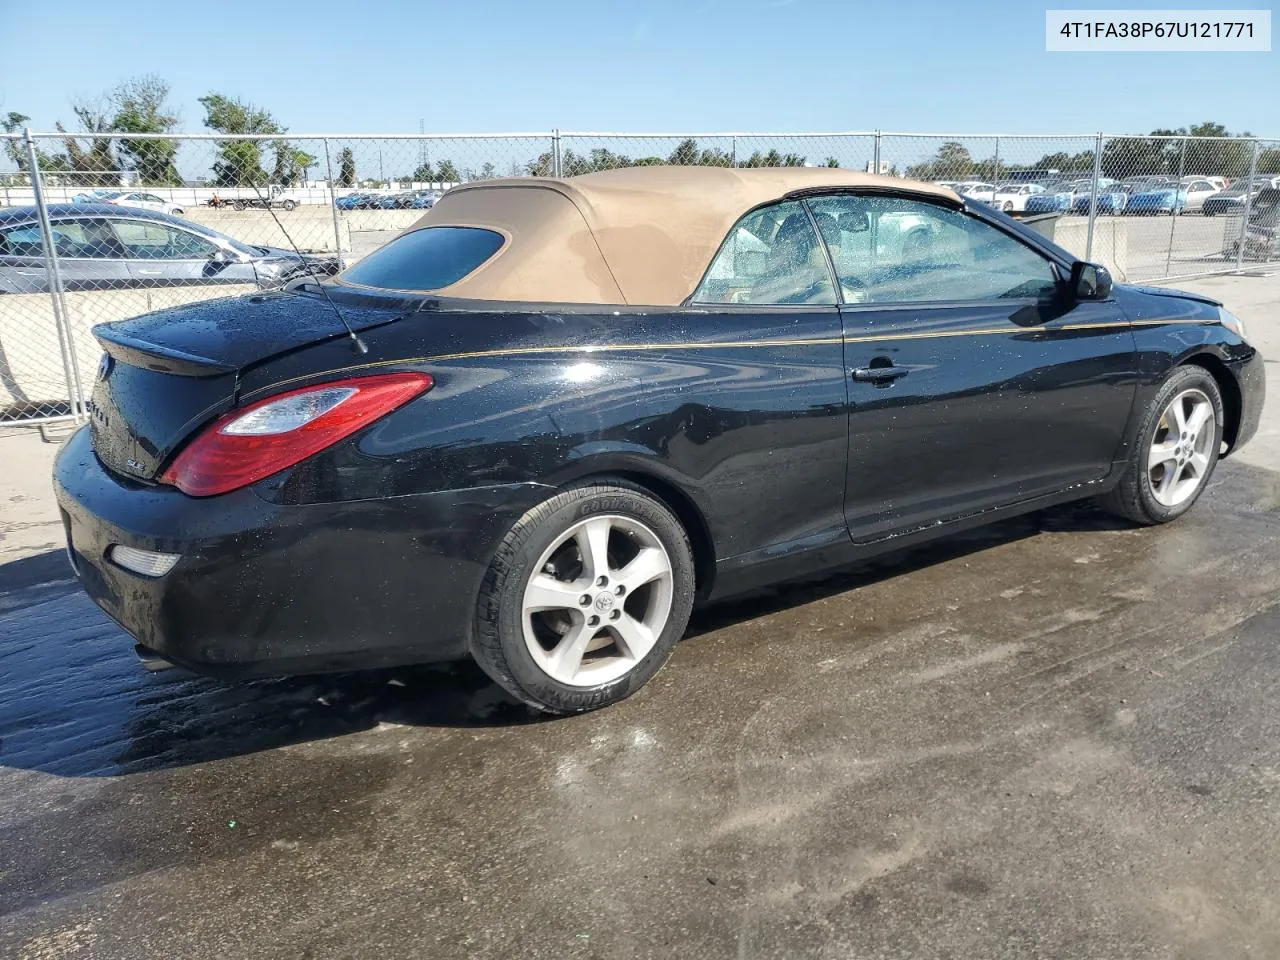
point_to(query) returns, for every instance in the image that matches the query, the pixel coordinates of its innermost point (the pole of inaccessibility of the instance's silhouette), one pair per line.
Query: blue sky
(644, 65)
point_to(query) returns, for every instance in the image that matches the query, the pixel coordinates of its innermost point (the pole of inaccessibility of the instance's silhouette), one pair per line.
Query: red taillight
(249, 444)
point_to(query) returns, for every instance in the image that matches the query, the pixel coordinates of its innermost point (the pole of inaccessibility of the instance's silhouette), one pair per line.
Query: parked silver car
(106, 247)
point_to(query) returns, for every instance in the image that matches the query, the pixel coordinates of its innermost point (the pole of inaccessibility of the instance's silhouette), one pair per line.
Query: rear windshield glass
(426, 259)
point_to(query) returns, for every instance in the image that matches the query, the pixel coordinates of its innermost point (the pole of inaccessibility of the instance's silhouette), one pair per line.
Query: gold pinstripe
(740, 344)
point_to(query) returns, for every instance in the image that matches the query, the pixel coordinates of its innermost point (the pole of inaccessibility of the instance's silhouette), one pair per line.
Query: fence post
(66, 346)
(1248, 205)
(996, 178)
(1093, 196)
(333, 201)
(1173, 220)
(555, 154)
(735, 151)
(875, 154)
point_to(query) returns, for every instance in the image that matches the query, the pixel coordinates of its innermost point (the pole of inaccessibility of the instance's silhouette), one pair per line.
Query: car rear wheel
(238, 205)
(288, 204)
(177, 211)
(1007, 206)
(1176, 451)
(585, 599)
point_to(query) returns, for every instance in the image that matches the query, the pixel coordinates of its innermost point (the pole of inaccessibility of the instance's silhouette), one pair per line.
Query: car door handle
(879, 374)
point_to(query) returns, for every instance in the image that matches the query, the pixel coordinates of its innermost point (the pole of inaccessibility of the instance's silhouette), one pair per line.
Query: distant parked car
(1055, 197)
(1232, 198)
(141, 201)
(1169, 199)
(410, 200)
(1199, 189)
(96, 196)
(976, 190)
(106, 247)
(1111, 199)
(357, 201)
(1013, 197)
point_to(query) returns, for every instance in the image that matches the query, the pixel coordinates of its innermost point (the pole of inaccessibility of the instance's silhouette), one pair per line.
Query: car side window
(84, 239)
(159, 241)
(24, 241)
(73, 239)
(771, 256)
(897, 250)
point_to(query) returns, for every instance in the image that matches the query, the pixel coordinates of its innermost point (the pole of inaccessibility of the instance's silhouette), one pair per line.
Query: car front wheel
(585, 599)
(1176, 450)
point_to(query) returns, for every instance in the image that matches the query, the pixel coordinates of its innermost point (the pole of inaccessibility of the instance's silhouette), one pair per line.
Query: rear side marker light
(250, 444)
(149, 563)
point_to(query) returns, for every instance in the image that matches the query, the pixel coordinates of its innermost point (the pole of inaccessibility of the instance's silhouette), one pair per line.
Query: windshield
(425, 259)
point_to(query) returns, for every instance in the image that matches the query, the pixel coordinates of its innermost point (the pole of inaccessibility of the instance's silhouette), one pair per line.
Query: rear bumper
(267, 589)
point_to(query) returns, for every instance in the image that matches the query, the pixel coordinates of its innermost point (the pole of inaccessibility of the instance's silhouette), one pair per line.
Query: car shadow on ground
(75, 702)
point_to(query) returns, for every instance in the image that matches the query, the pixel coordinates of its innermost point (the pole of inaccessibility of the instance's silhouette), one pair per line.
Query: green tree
(1269, 161)
(1154, 155)
(952, 162)
(240, 161)
(604, 159)
(291, 163)
(141, 106)
(95, 165)
(715, 157)
(447, 172)
(773, 158)
(347, 168)
(1224, 157)
(685, 154)
(572, 165)
(831, 162)
(15, 149)
(543, 166)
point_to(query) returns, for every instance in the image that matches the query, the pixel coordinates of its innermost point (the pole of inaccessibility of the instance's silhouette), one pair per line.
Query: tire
(1007, 206)
(238, 205)
(288, 205)
(177, 211)
(1150, 492)
(550, 557)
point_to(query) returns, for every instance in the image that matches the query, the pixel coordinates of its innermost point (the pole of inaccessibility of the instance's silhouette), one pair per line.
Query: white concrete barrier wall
(30, 358)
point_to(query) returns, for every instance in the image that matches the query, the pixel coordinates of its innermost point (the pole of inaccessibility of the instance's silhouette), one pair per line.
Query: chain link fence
(88, 235)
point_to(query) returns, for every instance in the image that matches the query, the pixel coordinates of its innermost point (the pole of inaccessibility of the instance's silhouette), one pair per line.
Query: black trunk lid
(168, 373)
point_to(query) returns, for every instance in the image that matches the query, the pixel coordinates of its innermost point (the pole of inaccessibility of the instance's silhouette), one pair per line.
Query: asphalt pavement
(1057, 737)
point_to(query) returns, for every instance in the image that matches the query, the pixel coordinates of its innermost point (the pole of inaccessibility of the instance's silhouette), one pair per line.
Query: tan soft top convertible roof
(636, 235)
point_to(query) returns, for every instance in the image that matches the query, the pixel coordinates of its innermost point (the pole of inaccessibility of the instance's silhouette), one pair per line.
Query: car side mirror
(1089, 281)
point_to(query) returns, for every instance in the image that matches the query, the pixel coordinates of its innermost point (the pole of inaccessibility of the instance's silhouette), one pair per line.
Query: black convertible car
(543, 423)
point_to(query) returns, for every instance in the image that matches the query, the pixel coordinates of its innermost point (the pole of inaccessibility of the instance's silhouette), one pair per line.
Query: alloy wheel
(598, 600)
(1179, 457)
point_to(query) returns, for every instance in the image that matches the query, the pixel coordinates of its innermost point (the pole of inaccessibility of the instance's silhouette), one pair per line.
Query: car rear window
(426, 259)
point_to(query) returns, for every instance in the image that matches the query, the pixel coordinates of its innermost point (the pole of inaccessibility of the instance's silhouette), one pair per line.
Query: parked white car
(145, 201)
(976, 190)
(1199, 189)
(1012, 197)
